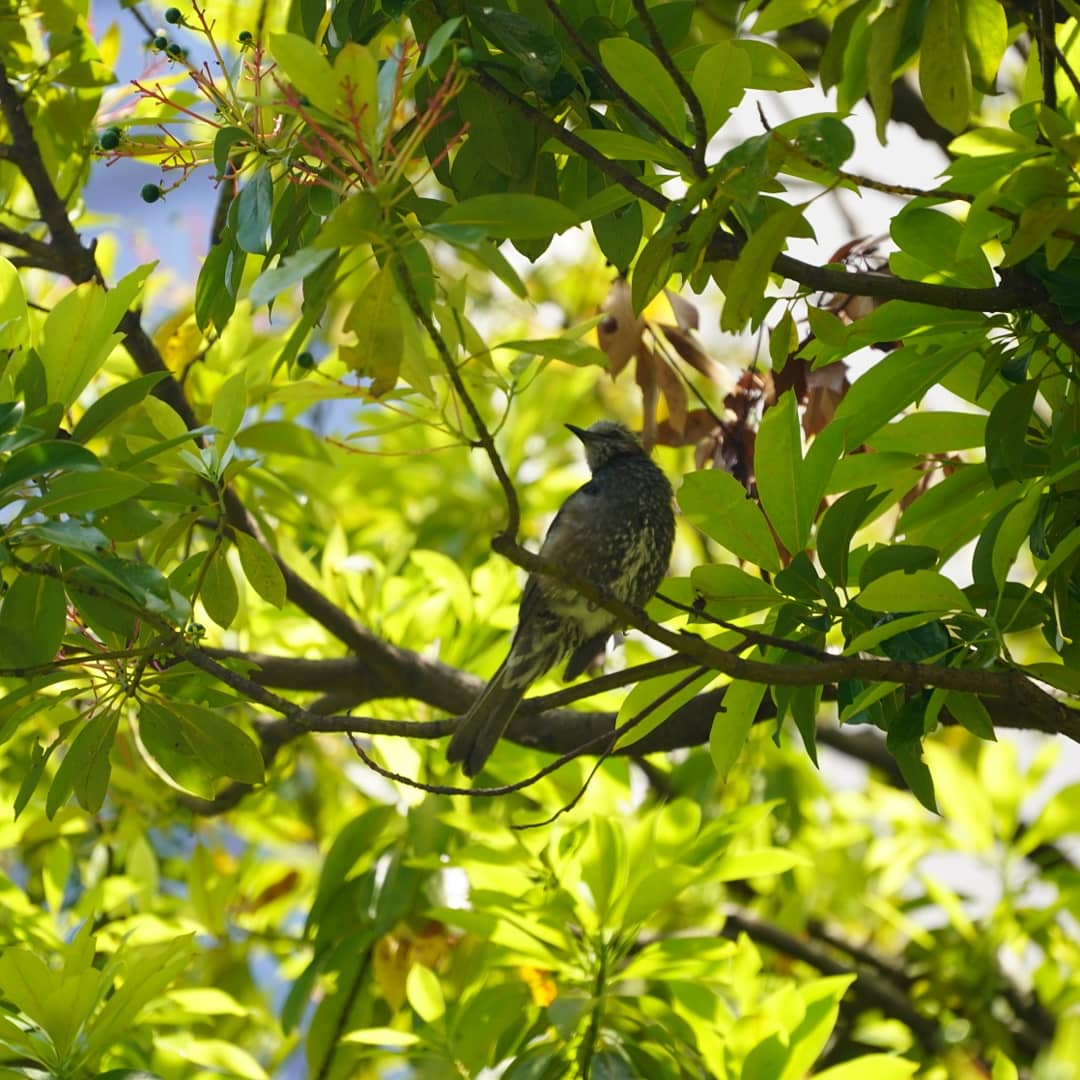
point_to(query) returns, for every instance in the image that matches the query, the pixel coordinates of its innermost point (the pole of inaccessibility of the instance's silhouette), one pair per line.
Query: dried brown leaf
(700, 426)
(686, 314)
(825, 389)
(619, 334)
(674, 391)
(690, 349)
(646, 377)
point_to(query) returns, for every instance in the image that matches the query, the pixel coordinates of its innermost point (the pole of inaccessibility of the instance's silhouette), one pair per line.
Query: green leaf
(770, 67)
(825, 139)
(732, 592)
(356, 71)
(720, 80)
(218, 594)
(732, 725)
(651, 270)
(1058, 819)
(578, 353)
(886, 35)
(838, 527)
(781, 13)
(253, 208)
(306, 68)
(438, 40)
(218, 283)
(944, 70)
(904, 742)
(377, 320)
(896, 382)
(538, 53)
(879, 1066)
(224, 141)
(986, 34)
(778, 466)
(33, 769)
(643, 695)
(969, 711)
(921, 590)
(746, 285)
(1059, 675)
(226, 748)
(622, 146)
(109, 406)
(90, 316)
(291, 271)
(424, 993)
(638, 71)
(261, 569)
(81, 492)
(45, 457)
(512, 217)
(14, 321)
(179, 733)
(32, 620)
(227, 410)
(88, 755)
(868, 640)
(283, 437)
(930, 433)
(147, 969)
(1006, 431)
(1012, 533)
(719, 505)
(384, 1036)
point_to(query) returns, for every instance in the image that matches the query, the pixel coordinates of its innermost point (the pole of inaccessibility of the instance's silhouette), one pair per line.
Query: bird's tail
(483, 725)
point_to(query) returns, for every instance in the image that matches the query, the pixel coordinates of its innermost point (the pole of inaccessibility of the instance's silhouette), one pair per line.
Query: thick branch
(26, 156)
(1007, 685)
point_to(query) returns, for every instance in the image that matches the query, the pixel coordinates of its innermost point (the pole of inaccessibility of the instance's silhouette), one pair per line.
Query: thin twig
(627, 100)
(755, 637)
(693, 102)
(483, 434)
(638, 717)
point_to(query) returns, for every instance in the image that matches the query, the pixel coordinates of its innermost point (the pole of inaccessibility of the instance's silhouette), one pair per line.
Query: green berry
(244, 37)
(174, 50)
(150, 193)
(466, 56)
(306, 361)
(161, 42)
(174, 16)
(110, 138)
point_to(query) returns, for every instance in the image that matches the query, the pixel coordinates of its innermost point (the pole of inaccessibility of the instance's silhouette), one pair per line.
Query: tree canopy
(264, 533)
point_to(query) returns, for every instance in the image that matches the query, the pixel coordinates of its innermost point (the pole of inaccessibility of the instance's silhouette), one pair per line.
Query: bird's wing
(570, 529)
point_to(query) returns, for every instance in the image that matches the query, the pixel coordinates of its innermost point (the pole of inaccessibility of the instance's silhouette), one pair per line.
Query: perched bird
(616, 531)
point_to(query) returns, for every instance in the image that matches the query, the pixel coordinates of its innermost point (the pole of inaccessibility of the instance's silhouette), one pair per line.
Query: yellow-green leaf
(261, 569)
(944, 71)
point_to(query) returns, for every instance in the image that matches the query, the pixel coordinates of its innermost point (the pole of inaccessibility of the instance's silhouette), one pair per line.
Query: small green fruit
(150, 193)
(306, 361)
(161, 42)
(245, 37)
(174, 16)
(467, 57)
(110, 138)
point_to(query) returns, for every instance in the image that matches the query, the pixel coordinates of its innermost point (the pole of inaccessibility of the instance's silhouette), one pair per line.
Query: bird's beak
(581, 433)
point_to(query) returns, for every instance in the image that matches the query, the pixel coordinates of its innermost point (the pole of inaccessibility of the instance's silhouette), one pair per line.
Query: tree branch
(693, 102)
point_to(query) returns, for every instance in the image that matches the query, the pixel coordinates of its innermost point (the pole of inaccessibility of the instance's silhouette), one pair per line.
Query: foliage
(224, 536)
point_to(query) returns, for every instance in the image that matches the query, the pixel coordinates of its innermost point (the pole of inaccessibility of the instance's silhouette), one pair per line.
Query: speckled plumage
(616, 531)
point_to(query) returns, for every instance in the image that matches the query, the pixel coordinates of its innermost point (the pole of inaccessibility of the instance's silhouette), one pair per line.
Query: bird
(616, 532)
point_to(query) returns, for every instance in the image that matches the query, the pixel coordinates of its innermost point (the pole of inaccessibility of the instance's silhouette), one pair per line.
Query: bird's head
(606, 440)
